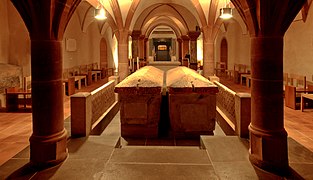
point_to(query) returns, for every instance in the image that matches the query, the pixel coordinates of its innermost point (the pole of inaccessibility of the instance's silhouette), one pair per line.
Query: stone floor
(110, 157)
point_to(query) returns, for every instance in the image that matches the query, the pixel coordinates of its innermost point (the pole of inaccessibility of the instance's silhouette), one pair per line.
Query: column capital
(185, 38)
(179, 40)
(136, 34)
(142, 37)
(193, 35)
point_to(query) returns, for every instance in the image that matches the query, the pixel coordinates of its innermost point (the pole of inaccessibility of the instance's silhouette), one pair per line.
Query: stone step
(159, 162)
(129, 142)
(229, 156)
(226, 148)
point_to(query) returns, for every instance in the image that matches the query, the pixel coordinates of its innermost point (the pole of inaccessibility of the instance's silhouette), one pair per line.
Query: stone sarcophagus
(192, 103)
(140, 97)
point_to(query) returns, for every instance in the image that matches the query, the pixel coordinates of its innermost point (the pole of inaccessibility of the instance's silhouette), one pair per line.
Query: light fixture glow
(100, 14)
(226, 13)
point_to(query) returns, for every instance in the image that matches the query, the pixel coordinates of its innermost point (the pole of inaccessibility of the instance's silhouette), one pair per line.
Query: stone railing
(91, 112)
(233, 111)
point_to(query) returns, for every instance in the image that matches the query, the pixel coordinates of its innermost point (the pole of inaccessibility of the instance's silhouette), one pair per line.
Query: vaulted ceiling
(180, 16)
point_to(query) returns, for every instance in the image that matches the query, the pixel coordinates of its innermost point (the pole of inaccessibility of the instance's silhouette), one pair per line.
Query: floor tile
(219, 151)
(120, 171)
(150, 154)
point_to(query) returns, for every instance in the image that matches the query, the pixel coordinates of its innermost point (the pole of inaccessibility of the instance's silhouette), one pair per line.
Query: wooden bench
(239, 69)
(245, 78)
(69, 86)
(307, 96)
(295, 85)
(296, 80)
(13, 99)
(220, 69)
(303, 102)
(293, 95)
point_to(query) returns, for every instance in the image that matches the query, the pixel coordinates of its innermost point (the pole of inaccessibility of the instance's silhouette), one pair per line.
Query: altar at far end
(164, 65)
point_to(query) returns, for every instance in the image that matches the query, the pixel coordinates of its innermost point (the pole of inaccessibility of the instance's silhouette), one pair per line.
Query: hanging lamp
(226, 12)
(100, 12)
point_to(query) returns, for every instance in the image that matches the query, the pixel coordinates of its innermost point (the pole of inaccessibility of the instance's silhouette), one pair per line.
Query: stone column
(48, 141)
(193, 35)
(185, 45)
(179, 40)
(141, 46)
(208, 58)
(145, 49)
(123, 67)
(268, 145)
(135, 43)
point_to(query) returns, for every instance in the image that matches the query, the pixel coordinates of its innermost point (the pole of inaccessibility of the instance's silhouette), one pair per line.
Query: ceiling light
(100, 14)
(226, 13)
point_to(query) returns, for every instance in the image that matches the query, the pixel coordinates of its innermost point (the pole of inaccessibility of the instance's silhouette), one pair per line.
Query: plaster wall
(238, 43)
(298, 47)
(87, 44)
(14, 38)
(110, 48)
(4, 33)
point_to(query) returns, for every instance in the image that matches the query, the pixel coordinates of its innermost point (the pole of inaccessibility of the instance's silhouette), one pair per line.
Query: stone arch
(103, 54)
(224, 51)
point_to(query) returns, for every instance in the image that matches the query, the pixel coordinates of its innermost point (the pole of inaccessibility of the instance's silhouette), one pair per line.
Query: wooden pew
(238, 70)
(306, 96)
(83, 71)
(296, 84)
(18, 96)
(220, 68)
(100, 71)
(299, 81)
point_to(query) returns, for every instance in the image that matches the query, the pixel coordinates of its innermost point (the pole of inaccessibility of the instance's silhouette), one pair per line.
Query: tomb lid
(185, 80)
(146, 80)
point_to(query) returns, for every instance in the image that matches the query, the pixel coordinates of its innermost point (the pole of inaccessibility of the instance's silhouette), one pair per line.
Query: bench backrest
(221, 65)
(285, 78)
(240, 68)
(27, 82)
(297, 80)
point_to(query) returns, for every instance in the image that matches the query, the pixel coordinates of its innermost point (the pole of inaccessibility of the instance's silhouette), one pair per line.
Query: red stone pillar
(268, 147)
(123, 66)
(135, 43)
(179, 40)
(145, 49)
(48, 141)
(185, 45)
(208, 58)
(141, 46)
(193, 35)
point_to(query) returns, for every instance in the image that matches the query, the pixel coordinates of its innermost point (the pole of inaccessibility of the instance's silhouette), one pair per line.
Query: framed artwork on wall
(70, 44)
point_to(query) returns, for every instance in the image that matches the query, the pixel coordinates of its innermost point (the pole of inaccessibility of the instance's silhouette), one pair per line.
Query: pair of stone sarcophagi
(191, 103)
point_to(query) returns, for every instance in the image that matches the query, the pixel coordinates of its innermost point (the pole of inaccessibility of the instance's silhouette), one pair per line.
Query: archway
(224, 52)
(103, 54)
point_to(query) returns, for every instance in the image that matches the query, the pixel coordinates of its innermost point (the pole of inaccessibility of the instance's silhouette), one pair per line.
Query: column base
(47, 151)
(269, 151)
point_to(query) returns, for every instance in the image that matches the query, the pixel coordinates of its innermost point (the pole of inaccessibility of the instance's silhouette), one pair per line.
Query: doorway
(162, 47)
(224, 52)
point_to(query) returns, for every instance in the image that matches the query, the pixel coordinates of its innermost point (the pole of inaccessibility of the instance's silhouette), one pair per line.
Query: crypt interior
(167, 89)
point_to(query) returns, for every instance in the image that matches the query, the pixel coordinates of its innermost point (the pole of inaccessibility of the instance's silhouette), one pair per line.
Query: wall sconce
(226, 12)
(100, 14)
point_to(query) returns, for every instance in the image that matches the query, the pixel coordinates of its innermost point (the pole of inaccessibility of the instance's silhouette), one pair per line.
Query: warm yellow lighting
(100, 14)
(115, 53)
(226, 13)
